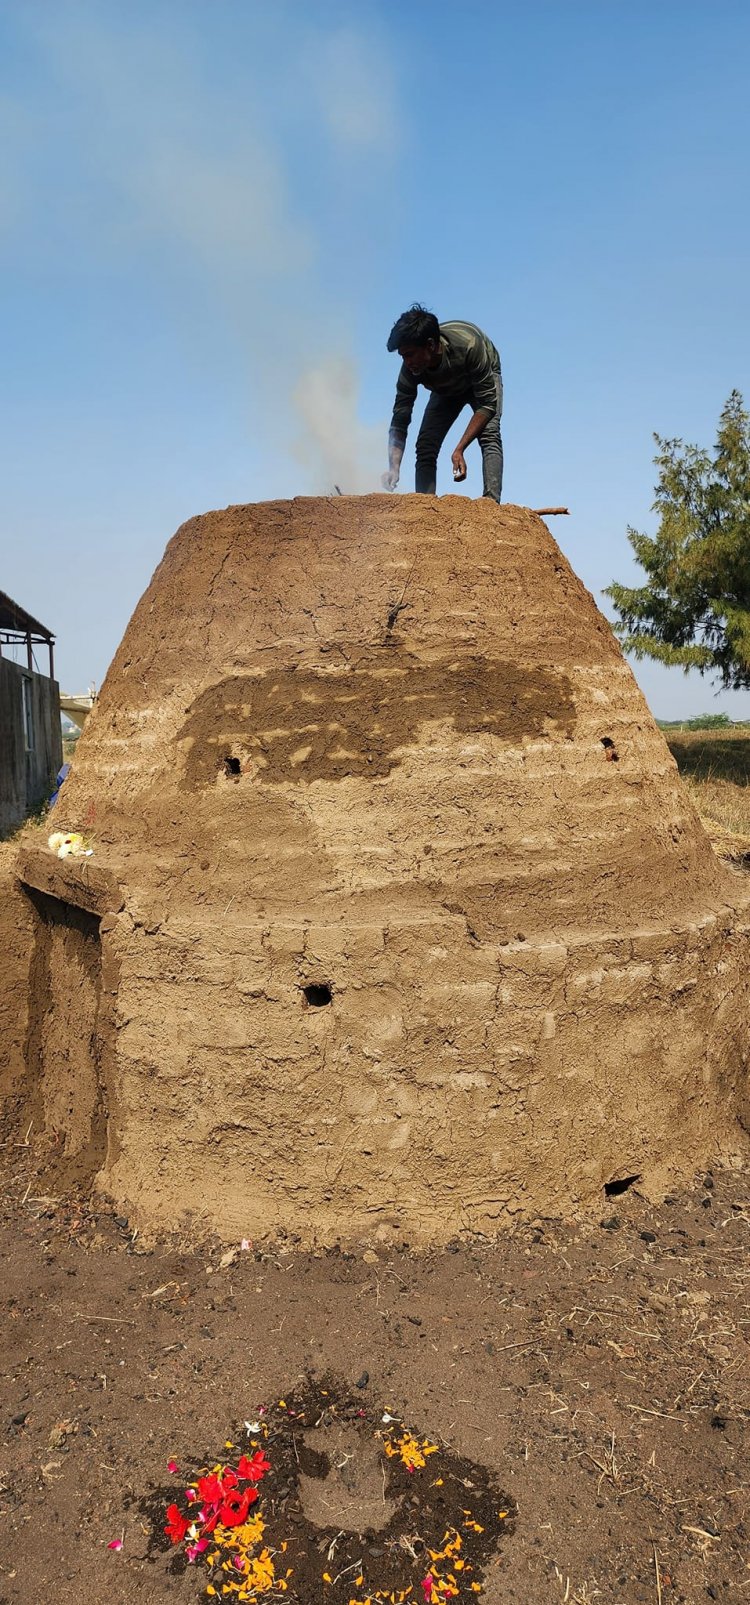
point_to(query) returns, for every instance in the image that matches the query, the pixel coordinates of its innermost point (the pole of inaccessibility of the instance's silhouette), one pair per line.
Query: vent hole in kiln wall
(612, 1189)
(318, 995)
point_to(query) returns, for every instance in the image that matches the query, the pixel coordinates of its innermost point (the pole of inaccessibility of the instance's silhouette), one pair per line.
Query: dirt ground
(599, 1373)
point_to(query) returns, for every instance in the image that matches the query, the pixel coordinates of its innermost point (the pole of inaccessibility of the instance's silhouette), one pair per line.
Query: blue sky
(211, 211)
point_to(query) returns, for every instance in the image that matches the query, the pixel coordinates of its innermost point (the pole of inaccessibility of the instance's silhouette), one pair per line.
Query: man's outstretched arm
(396, 444)
(403, 407)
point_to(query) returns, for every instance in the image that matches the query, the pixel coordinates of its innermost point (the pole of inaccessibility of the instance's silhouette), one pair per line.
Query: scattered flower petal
(233, 1511)
(192, 1550)
(115, 1543)
(221, 1517)
(253, 1467)
(177, 1524)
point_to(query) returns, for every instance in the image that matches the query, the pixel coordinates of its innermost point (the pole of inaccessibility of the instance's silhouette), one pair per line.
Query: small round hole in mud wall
(318, 995)
(232, 766)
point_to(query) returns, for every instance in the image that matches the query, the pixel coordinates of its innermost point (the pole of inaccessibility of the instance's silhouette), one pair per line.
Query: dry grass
(715, 766)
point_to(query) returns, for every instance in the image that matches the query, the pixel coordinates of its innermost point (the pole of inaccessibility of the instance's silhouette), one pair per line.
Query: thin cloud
(16, 138)
(176, 162)
(149, 159)
(231, 207)
(355, 90)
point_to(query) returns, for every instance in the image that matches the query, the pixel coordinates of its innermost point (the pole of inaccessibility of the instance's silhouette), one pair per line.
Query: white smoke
(194, 185)
(353, 83)
(338, 450)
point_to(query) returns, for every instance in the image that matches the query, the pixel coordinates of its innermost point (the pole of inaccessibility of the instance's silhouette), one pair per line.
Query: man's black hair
(414, 328)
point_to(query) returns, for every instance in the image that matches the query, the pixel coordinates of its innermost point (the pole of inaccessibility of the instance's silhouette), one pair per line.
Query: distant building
(30, 731)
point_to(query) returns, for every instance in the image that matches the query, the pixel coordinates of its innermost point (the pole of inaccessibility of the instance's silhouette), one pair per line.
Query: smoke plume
(335, 448)
(241, 197)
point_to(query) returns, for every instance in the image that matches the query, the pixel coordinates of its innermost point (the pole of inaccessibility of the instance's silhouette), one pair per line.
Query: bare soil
(598, 1374)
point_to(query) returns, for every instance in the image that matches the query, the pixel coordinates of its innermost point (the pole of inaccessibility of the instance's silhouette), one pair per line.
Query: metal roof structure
(18, 626)
(15, 619)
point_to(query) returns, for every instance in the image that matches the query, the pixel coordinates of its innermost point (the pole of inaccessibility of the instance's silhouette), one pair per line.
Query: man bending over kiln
(461, 367)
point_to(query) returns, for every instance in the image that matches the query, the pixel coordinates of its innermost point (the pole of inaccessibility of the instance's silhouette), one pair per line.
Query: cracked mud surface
(325, 724)
(365, 743)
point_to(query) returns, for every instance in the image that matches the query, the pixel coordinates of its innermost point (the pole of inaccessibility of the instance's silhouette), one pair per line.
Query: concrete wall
(26, 772)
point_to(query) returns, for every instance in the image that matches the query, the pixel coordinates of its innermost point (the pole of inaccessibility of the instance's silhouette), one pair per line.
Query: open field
(715, 767)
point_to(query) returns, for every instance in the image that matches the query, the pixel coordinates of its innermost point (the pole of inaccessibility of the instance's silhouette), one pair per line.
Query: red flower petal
(210, 1490)
(236, 1505)
(177, 1525)
(253, 1467)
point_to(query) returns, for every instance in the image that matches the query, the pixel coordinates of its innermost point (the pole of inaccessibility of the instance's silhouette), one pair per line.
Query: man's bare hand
(390, 479)
(459, 464)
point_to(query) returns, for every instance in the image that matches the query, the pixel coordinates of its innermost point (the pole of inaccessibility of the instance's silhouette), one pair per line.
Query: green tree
(694, 609)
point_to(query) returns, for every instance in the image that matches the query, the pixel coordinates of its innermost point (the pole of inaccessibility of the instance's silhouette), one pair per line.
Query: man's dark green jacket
(468, 368)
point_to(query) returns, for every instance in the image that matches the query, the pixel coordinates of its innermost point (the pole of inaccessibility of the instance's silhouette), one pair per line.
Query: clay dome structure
(399, 921)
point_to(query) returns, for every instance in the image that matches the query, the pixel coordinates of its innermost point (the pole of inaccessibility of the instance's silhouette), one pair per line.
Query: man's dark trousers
(440, 414)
